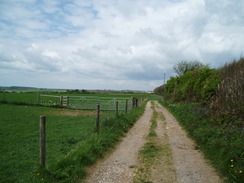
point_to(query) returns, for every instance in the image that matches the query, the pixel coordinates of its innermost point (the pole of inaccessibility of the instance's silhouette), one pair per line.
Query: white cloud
(114, 44)
(50, 54)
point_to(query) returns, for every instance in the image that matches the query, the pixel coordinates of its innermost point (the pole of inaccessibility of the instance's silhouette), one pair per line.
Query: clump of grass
(153, 126)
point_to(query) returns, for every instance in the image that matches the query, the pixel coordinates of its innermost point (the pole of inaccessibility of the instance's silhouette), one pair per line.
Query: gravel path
(119, 166)
(190, 165)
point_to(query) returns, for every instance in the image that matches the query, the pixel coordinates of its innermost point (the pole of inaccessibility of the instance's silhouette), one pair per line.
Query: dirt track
(188, 164)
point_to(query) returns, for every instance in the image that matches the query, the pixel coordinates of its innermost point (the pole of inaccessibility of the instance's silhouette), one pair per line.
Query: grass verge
(222, 145)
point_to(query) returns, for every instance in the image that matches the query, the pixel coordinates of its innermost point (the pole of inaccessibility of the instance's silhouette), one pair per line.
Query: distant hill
(17, 88)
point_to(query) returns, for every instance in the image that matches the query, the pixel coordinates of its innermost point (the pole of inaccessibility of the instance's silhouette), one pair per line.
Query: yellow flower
(232, 165)
(240, 171)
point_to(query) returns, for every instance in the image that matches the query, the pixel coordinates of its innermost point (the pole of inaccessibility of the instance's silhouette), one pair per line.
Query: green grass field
(70, 135)
(76, 101)
(19, 135)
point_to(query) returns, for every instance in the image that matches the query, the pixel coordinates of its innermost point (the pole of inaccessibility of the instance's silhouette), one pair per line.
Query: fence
(65, 129)
(134, 103)
(89, 102)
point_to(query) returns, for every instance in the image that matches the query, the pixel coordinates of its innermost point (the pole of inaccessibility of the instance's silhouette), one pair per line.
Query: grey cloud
(146, 75)
(128, 43)
(226, 11)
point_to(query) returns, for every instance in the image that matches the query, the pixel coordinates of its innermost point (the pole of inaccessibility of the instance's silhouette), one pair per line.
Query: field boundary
(90, 102)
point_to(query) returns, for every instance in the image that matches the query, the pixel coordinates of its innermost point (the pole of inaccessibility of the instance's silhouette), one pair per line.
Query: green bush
(194, 86)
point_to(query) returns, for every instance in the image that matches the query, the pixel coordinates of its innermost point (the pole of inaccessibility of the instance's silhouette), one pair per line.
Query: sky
(114, 44)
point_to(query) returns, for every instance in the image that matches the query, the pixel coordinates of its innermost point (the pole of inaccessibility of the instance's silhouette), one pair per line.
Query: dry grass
(229, 98)
(71, 113)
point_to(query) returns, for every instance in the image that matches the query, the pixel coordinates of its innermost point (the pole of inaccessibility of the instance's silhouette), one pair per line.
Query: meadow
(77, 100)
(70, 134)
(19, 135)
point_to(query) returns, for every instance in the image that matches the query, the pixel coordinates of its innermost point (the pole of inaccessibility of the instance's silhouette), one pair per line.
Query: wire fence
(65, 128)
(72, 102)
(106, 103)
(20, 134)
(87, 102)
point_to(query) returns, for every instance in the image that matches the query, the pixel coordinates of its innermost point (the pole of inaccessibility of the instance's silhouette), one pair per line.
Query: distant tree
(159, 90)
(184, 66)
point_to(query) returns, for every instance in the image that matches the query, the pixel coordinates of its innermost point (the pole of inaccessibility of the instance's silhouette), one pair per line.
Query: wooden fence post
(38, 99)
(42, 141)
(136, 102)
(97, 118)
(61, 101)
(126, 106)
(117, 108)
(132, 102)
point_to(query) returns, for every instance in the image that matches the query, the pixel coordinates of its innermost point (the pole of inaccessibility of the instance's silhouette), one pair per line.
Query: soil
(188, 164)
(71, 113)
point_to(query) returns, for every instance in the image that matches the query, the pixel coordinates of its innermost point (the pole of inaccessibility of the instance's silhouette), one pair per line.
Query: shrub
(194, 86)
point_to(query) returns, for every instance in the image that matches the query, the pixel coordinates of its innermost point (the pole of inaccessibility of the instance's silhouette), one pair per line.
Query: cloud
(114, 44)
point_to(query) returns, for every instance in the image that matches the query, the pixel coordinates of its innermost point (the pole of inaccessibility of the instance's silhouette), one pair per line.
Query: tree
(159, 90)
(184, 66)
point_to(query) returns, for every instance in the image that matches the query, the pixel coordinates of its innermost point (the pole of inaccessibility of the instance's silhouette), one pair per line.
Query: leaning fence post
(97, 118)
(42, 141)
(117, 108)
(126, 106)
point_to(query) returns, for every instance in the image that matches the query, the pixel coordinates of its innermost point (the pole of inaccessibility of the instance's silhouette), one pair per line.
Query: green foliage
(159, 90)
(217, 128)
(221, 144)
(184, 66)
(194, 86)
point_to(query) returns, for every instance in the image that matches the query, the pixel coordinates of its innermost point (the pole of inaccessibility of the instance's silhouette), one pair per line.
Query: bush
(229, 99)
(194, 86)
